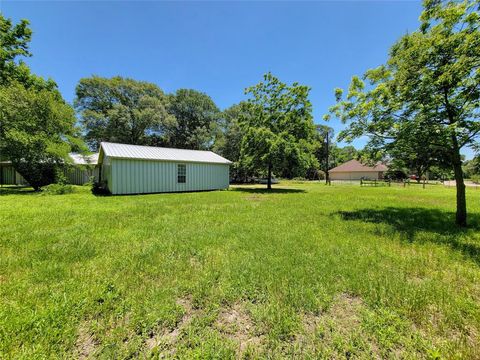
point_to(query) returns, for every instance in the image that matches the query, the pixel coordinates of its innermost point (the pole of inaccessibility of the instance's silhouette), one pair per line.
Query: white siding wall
(106, 172)
(9, 176)
(80, 175)
(354, 175)
(145, 176)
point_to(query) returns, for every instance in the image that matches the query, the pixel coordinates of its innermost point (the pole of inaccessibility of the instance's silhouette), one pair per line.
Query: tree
(431, 83)
(279, 132)
(197, 116)
(471, 168)
(37, 128)
(341, 155)
(229, 143)
(14, 42)
(412, 150)
(121, 110)
(37, 131)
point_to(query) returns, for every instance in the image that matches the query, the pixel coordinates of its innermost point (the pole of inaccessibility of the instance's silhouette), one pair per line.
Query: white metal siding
(130, 176)
(80, 175)
(106, 173)
(9, 176)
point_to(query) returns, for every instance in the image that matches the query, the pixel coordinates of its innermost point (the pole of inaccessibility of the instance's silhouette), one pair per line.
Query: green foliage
(121, 110)
(278, 131)
(37, 131)
(426, 95)
(229, 143)
(375, 272)
(58, 189)
(196, 120)
(14, 43)
(472, 167)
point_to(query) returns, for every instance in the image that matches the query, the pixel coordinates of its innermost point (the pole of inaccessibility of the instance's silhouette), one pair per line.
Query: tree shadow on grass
(16, 190)
(410, 222)
(266, 191)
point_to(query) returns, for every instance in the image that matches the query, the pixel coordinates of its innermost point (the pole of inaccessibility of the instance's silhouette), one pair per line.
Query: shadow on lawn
(16, 190)
(409, 222)
(266, 191)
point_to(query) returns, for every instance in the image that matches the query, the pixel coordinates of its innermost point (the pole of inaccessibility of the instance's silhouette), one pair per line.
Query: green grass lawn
(306, 271)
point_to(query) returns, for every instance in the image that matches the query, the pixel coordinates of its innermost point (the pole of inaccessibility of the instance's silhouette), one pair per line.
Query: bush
(315, 174)
(58, 189)
(396, 175)
(99, 188)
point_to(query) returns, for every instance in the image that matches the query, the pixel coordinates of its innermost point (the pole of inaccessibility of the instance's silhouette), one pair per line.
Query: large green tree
(121, 110)
(37, 131)
(431, 83)
(196, 120)
(279, 131)
(37, 127)
(14, 46)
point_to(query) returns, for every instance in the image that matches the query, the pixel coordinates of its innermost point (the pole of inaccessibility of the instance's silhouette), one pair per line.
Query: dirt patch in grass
(336, 329)
(85, 344)
(255, 198)
(344, 314)
(235, 324)
(166, 339)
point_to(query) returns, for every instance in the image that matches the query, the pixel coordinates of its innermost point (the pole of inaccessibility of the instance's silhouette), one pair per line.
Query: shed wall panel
(130, 176)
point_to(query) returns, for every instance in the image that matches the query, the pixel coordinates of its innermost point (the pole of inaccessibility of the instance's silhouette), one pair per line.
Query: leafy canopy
(14, 45)
(196, 120)
(228, 144)
(37, 131)
(121, 110)
(279, 132)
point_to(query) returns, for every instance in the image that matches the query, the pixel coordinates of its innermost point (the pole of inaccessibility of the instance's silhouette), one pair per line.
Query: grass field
(306, 271)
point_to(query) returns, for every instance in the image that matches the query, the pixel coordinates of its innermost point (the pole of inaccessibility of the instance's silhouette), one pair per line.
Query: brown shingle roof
(354, 165)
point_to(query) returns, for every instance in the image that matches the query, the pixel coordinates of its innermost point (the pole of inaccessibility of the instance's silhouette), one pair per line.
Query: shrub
(315, 174)
(58, 189)
(99, 188)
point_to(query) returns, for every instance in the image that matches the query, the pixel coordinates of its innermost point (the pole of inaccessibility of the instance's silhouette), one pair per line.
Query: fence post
(375, 182)
(361, 182)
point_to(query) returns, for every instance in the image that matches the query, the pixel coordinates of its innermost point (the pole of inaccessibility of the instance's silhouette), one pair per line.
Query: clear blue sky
(215, 47)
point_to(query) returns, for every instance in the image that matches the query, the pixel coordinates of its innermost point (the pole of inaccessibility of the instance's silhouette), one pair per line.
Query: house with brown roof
(355, 170)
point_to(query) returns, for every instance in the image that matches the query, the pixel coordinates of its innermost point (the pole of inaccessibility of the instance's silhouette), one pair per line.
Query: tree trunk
(461, 216)
(269, 177)
(326, 163)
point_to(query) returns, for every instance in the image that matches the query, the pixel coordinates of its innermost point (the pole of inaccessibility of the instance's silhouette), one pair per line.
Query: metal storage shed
(135, 169)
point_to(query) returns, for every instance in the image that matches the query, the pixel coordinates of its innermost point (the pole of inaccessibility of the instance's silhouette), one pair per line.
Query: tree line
(418, 110)
(270, 133)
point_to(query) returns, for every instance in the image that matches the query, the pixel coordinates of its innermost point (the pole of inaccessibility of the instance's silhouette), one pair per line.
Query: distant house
(355, 170)
(134, 169)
